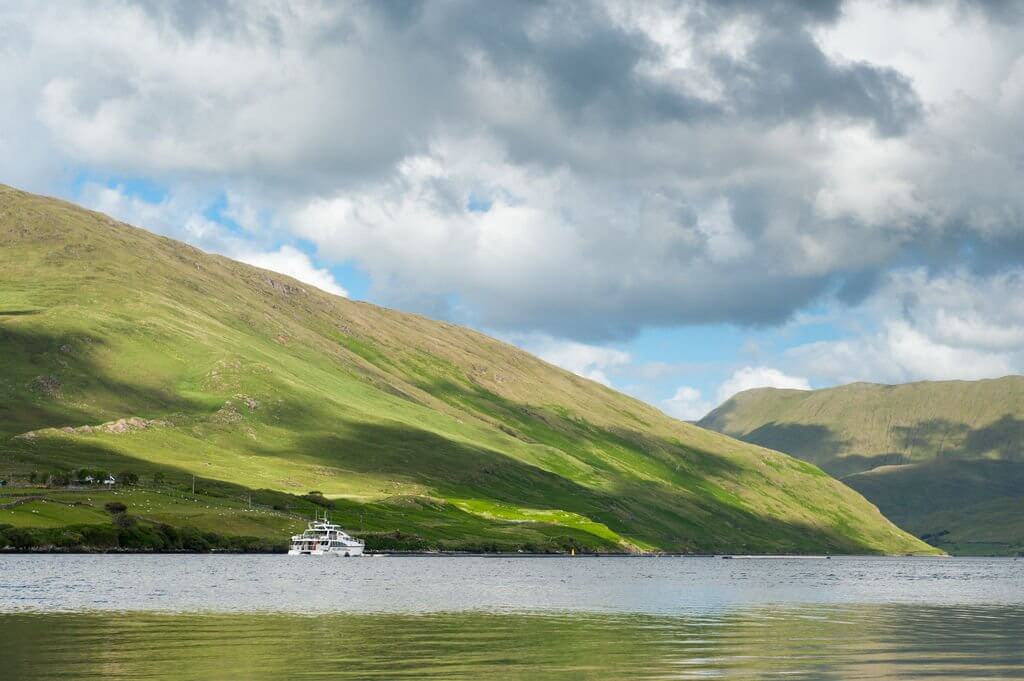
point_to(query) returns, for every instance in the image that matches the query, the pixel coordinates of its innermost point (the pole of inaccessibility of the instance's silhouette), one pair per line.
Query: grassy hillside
(125, 350)
(944, 460)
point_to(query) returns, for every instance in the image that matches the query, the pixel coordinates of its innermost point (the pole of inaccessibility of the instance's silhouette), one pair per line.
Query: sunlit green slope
(942, 459)
(240, 375)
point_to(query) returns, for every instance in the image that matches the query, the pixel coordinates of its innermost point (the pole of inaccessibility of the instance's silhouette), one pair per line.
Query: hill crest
(269, 383)
(925, 452)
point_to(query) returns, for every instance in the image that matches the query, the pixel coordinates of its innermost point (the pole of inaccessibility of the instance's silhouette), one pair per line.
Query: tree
(115, 507)
(158, 478)
(128, 478)
(318, 498)
(123, 521)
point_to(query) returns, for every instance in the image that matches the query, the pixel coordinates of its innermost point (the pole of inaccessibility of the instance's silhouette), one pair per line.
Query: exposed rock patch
(224, 374)
(284, 287)
(46, 385)
(250, 402)
(129, 424)
(125, 425)
(230, 412)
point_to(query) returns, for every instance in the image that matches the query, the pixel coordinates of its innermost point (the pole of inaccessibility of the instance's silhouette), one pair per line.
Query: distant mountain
(123, 349)
(943, 459)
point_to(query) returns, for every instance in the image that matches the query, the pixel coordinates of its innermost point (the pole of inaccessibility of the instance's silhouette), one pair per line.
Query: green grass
(424, 433)
(944, 460)
(438, 524)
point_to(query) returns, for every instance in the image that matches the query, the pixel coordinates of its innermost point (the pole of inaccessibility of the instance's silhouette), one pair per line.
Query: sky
(681, 200)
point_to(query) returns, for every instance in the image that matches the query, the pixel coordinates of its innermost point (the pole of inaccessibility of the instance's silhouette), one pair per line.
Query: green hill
(123, 350)
(943, 459)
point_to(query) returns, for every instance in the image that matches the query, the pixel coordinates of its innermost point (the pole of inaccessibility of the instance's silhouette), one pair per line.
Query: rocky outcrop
(125, 425)
(229, 413)
(46, 385)
(284, 287)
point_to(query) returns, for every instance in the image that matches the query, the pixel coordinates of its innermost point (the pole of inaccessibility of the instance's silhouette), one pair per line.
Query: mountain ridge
(921, 451)
(257, 380)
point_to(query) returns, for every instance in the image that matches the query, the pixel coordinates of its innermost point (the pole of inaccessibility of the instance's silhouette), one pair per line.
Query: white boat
(323, 538)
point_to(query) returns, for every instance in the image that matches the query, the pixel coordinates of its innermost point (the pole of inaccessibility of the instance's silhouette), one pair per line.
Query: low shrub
(319, 499)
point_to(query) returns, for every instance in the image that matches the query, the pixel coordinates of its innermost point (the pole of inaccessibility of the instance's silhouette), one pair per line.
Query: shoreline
(469, 554)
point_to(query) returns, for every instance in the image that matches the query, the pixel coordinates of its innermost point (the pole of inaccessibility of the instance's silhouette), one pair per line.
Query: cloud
(589, 361)
(749, 378)
(182, 218)
(686, 404)
(920, 327)
(583, 170)
(293, 262)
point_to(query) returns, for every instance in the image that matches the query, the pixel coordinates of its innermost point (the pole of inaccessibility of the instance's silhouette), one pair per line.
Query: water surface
(271, 617)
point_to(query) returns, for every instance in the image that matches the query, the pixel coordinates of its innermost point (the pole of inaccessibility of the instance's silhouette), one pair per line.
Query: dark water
(274, 617)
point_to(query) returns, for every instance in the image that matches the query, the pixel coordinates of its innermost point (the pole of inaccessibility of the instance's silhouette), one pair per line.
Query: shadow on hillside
(1004, 436)
(931, 438)
(52, 455)
(935, 438)
(658, 513)
(453, 469)
(48, 378)
(814, 443)
(621, 449)
(622, 491)
(947, 439)
(939, 485)
(19, 313)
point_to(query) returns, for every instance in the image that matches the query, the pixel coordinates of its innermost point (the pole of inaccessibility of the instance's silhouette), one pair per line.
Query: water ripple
(260, 617)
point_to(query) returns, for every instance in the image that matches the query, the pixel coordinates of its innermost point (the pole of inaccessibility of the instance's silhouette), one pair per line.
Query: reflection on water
(125, 617)
(808, 642)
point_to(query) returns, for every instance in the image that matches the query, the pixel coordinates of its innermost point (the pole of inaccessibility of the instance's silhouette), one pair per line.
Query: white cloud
(921, 327)
(640, 163)
(598, 226)
(589, 361)
(242, 212)
(293, 262)
(946, 51)
(181, 218)
(724, 241)
(748, 378)
(178, 216)
(686, 404)
(896, 354)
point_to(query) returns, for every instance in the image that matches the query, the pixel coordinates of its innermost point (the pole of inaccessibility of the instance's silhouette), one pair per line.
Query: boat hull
(345, 552)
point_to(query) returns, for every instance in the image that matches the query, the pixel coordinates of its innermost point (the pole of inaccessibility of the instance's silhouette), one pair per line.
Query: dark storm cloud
(726, 300)
(590, 64)
(788, 77)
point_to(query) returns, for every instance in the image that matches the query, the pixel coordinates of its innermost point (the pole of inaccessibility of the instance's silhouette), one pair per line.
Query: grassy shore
(233, 519)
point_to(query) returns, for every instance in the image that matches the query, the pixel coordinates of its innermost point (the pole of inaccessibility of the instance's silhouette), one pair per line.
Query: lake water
(275, 617)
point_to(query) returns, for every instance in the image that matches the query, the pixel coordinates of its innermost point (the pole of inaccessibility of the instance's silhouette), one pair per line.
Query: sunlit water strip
(303, 584)
(241, 617)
